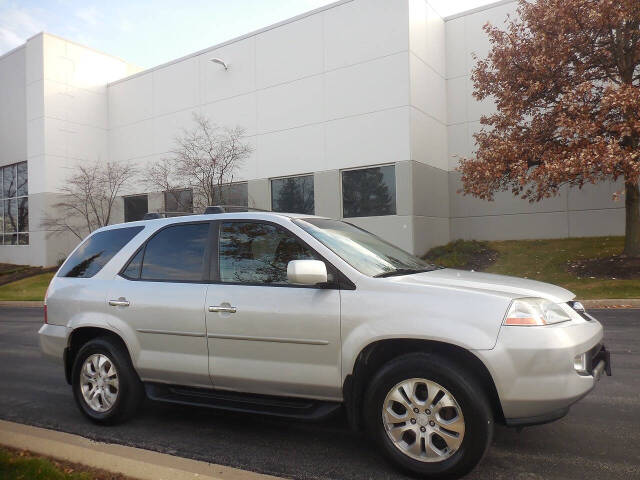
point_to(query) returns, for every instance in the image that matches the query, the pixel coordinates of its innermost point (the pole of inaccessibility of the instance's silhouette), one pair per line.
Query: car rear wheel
(105, 386)
(429, 416)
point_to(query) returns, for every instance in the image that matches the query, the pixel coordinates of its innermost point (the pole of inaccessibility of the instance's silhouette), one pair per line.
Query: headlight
(535, 311)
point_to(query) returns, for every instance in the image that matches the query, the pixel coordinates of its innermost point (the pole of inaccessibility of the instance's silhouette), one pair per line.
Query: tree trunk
(632, 219)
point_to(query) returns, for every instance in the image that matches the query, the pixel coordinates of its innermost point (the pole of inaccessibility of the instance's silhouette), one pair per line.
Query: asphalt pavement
(600, 438)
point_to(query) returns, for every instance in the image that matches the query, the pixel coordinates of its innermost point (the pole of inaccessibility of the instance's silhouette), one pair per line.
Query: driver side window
(254, 252)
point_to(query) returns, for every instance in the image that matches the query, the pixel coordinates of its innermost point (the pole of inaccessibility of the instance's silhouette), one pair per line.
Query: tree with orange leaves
(565, 76)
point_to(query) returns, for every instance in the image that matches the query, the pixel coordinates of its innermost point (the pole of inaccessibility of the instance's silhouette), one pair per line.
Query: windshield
(362, 250)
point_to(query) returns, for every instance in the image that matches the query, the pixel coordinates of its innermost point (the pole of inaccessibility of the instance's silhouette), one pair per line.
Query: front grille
(595, 356)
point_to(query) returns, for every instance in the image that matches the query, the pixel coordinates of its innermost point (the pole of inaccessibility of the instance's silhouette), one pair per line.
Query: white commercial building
(363, 107)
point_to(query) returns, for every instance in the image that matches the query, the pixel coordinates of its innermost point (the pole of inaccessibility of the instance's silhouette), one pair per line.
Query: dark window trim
(302, 175)
(231, 185)
(206, 270)
(176, 190)
(124, 199)
(341, 281)
(369, 167)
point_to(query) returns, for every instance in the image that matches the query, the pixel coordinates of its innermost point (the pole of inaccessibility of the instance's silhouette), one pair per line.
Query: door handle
(121, 302)
(222, 309)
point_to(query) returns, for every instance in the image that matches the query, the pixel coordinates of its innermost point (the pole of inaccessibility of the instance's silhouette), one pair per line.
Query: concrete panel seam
(444, 124)
(411, 52)
(542, 212)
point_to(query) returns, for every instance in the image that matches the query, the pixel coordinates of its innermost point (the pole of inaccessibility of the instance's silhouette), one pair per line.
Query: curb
(612, 303)
(21, 303)
(128, 461)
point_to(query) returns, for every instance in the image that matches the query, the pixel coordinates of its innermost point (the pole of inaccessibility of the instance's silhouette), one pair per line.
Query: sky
(150, 32)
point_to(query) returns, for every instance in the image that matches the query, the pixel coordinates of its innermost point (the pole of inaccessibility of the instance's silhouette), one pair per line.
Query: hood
(513, 287)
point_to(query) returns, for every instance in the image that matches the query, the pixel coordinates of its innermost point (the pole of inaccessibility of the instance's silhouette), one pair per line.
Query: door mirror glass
(306, 272)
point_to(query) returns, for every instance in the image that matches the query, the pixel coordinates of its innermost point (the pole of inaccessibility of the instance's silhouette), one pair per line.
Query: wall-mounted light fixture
(220, 62)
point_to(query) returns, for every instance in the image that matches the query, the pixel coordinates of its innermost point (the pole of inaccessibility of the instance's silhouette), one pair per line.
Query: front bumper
(53, 341)
(533, 370)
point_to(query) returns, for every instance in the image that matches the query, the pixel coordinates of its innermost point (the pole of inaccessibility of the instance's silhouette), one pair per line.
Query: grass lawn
(14, 466)
(31, 288)
(547, 260)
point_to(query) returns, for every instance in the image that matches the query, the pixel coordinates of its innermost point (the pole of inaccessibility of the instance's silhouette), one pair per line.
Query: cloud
(88, 15)
(16, 25)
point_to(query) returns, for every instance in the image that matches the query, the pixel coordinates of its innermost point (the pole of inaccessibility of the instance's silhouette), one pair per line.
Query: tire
(469, 430)
(116, 398)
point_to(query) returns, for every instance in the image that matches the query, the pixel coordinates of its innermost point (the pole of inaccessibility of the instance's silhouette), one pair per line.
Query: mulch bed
(10, 273)
(618, 266)
(481, 260)
(463, 255)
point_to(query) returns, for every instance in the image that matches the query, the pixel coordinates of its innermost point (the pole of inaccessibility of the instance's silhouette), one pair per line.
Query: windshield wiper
(402, 271)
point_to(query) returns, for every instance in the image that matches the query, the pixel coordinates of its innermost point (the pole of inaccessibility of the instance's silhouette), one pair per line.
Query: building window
(178, 200)
(14, 209)
(369, 192)
(135, 207)
(236, 194)
(293, 195)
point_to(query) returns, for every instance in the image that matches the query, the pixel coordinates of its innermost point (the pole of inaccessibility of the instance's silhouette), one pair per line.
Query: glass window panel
(23, 239)
(176, 254)
(133, 269)
(236, 194)
(369, 192)
(135, 207)
(10, 215)
(9, 181)
(23, 214)
(293, 195)
(362, 250)
(22, 182)
(178, 201)
(10, 239)
(251, 252)
(96, 251)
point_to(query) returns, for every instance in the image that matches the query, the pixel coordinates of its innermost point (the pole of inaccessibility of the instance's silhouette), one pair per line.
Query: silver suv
(299, 316)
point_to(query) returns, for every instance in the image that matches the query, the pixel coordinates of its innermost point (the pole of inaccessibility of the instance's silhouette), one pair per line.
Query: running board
(299, 408)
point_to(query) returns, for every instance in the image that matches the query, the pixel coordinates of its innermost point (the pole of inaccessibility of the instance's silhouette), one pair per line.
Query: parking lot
(600, 438)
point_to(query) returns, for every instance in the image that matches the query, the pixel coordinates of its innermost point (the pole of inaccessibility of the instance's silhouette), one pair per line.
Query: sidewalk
(129, 461)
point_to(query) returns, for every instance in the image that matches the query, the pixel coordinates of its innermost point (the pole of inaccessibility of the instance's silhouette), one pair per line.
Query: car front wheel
(429, 416)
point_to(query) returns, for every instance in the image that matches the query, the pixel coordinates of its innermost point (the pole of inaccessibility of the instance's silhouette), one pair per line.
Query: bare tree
(205, 158)
(88, 197)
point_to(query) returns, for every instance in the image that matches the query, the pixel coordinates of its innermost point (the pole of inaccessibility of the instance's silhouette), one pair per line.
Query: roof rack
(155, 215)
(231, 208)
(207, 211)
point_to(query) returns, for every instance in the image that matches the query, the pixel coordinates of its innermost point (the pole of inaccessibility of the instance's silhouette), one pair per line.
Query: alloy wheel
(423, 420)
(99, 382)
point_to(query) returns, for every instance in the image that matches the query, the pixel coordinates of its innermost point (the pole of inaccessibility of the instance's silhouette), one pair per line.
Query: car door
(160, 295)
(265, 335)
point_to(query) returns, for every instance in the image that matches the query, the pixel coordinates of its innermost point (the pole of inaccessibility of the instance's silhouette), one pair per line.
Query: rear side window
(174, 254)
(96, 251)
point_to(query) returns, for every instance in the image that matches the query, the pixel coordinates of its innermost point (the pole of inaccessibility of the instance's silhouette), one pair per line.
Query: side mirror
(306, 272)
